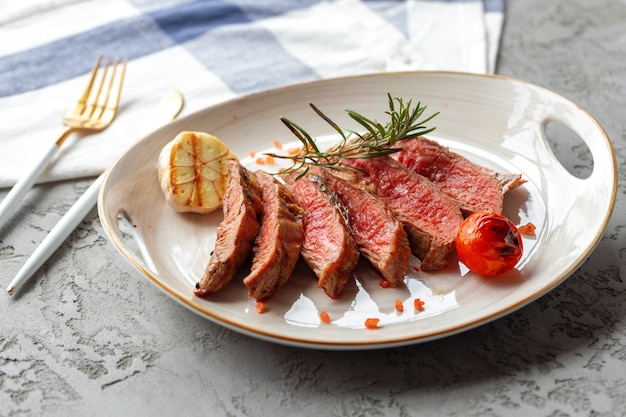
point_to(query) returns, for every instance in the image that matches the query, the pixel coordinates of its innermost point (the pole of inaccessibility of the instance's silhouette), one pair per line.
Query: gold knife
(168, 108)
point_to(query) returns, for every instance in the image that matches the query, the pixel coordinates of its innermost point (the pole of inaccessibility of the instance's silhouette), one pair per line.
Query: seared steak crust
(277, 246)
(380, 237)
(475, 187)
(430, 217)
(242, 202)
(328, 247)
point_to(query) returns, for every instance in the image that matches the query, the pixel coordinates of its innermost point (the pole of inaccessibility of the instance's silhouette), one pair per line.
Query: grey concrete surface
(89, 336)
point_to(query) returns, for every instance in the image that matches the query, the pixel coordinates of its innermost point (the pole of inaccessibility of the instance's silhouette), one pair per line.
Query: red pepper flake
(293, 151)
(269, 159)
(527, 229)
(252, 154)
(278, 145)
(384, 283)
(260, 307)
(418, 304)
(324, 317)
(260, 161)
(372, 323)
(399, 306)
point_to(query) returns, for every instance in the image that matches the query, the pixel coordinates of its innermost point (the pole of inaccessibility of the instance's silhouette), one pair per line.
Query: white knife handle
(59, 233)
(12, 200)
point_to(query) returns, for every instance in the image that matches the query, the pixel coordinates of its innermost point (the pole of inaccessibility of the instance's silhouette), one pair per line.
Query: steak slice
(242, 202)
(277, 245)
(328, 247)
(430, 217)
(380, 237)
(475, 187)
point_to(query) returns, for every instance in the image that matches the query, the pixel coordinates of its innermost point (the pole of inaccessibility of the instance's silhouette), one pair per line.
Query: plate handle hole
(569, 148)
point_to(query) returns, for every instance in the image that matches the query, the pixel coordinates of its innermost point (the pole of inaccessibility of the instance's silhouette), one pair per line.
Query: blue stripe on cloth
(262, 9)
(72, 56)
(494, 5)
(131, 38)
(190, 20)
(266, 64)
(394, 11)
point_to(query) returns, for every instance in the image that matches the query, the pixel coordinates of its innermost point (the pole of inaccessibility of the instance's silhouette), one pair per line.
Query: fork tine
(103, 103)
(82, 102)
(108, 110)
(118, 93)
(92, 105)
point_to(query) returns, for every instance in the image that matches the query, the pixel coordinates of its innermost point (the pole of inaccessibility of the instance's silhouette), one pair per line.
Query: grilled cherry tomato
(488, 244)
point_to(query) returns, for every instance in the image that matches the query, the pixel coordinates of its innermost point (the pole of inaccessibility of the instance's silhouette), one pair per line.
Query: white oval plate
(495, 121)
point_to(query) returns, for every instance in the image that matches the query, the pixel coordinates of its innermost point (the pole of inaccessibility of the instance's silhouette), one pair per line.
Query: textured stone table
(89, 336)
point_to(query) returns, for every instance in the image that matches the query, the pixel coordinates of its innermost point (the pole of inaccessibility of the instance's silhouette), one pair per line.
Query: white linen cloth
(210, 50)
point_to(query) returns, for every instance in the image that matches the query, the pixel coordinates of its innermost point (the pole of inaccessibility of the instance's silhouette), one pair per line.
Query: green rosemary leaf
(328, 120)
(378, 139)
(301, 134)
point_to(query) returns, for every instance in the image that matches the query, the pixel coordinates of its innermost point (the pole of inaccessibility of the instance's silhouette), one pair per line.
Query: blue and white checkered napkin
(211, 50)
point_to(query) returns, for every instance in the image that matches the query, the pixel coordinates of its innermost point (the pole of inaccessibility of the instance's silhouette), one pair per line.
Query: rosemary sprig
(377, 140)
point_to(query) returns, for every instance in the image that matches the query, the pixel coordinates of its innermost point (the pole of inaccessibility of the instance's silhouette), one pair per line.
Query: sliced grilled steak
(430, 217)
(476, 188)
(380, 237)
(242, 202)
(328, 247)
(276, 248)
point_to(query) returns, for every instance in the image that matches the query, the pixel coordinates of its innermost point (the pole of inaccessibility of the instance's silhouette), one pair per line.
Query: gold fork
(94, 111)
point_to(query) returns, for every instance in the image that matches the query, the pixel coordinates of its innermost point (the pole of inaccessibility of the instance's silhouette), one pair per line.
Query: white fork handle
(11, 201)
(167, 109)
